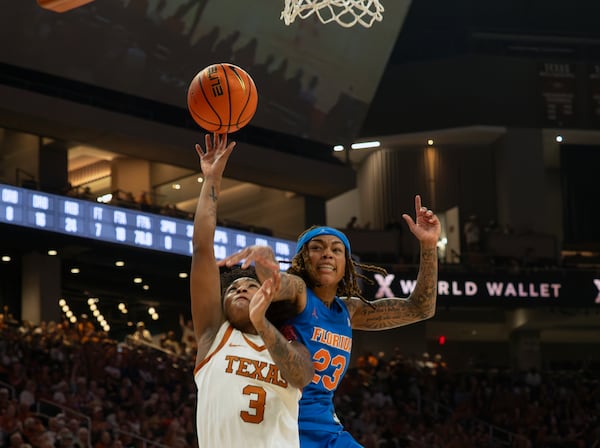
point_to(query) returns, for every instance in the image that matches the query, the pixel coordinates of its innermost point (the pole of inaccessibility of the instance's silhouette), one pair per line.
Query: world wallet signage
(543, 288)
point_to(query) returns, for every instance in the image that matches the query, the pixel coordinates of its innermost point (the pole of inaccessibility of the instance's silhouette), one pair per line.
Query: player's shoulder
(352, 303)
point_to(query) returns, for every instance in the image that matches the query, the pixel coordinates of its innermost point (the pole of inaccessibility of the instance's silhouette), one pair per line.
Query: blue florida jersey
(327, 333)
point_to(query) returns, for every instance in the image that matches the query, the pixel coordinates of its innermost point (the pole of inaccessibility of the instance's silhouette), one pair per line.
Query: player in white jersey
(264, 406)
(249, 376)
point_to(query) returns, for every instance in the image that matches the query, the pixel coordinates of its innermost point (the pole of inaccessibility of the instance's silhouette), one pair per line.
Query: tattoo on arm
(425, 291)
(291, 286)
(213, 194)
(294, 363)
(395, 312)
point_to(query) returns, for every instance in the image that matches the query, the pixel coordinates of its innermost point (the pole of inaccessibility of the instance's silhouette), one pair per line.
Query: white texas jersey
(242, 399)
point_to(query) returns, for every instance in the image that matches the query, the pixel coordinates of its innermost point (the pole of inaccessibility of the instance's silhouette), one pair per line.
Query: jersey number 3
(322, 360)
(257, 402)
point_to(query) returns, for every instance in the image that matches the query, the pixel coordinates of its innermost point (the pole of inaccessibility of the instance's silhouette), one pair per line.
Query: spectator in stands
(65, 439)
(27, 395)
(104, 441)
(86, 193)
(4, 399)
(16, 440)
(60, 391)
(82, 438)
(188, 339)
(472, 234)
(9, 421)
(55, 424)
(142, 334)
(170, 343)
(145, 201)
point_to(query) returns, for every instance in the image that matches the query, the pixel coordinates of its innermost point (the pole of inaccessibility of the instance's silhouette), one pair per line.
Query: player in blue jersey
(333, 305)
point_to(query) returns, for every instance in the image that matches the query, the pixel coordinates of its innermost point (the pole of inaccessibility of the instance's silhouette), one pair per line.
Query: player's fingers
(267, 287)
(276, 279)
(409, 221)
(417, 203)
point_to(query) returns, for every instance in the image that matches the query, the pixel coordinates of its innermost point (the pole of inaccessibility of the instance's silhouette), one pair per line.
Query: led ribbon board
(102, 222)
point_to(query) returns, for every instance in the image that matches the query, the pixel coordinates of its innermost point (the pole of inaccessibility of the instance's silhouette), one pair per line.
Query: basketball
(222, 98)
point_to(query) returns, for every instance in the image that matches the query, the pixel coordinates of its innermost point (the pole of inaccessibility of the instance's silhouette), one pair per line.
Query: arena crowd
(69, 385)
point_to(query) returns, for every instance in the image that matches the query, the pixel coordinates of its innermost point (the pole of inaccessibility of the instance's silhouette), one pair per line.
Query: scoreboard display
(103, 222)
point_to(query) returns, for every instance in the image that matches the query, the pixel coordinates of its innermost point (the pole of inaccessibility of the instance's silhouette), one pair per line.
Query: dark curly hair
(277, 313)
(348, 286)
(230, 275)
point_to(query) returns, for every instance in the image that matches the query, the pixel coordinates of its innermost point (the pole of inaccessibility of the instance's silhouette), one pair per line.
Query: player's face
(327, 255)
(237, 298)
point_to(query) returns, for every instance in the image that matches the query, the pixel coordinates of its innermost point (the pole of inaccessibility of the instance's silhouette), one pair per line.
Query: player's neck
(326, 294)
(249, 329)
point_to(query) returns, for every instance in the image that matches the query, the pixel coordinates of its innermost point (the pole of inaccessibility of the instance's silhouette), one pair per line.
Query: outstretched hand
(261, 256)
(426, 227)
(261, 301)
(214, 159)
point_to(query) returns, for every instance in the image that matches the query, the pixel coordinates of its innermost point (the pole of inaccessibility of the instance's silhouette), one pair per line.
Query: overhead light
(5, 258)
(52, 252)
(105, 198)
(75, 270)
(119, 263)
(430, 142)
(176, 186)
(559, 138)
(365, 145)
(338, 148)
(200, 179)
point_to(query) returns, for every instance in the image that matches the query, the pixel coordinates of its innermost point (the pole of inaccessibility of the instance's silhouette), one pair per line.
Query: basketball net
(346, 13)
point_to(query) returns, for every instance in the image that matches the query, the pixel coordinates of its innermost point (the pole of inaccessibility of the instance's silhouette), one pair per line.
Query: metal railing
(499, 437)
(139, 441)
(45, 408)
(11, 389)
(42, 403)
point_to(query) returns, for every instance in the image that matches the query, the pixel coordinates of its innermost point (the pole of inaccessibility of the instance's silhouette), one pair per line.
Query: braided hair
(348, 286)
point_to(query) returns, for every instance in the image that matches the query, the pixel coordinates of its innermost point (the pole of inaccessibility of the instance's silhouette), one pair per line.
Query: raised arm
(291, 288)
(420, 305)
(205, 283)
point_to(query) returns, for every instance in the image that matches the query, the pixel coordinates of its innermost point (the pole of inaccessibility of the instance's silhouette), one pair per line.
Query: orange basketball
(222, 98)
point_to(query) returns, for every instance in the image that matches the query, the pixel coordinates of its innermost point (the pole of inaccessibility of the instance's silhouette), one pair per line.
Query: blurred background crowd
(68, 385)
